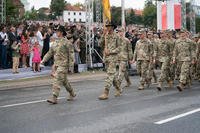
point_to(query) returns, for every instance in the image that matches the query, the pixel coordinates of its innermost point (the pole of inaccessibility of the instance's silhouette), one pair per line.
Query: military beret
(62, 29)
(111, 25)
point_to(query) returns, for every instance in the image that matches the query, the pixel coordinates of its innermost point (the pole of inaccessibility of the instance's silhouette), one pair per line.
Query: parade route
(149, 111)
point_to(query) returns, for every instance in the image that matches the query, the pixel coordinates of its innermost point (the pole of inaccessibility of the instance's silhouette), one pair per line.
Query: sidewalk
(26, 78)
(23, 73)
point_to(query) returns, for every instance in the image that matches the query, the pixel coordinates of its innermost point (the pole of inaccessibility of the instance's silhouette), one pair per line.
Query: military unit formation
(176, 54)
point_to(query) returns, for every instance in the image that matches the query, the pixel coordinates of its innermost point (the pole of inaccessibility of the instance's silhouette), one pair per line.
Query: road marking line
(26, 103)
(177, 117)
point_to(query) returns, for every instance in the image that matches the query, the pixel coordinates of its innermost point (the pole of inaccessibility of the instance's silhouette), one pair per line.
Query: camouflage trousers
(178, 69)
(15, 64)
(185, 72)
(151, 72)
(142, 69)
(60, 79)
(193, 69)
(198, 69)
(111, 70)
(123, 72)
(172, 71)
(165, 72)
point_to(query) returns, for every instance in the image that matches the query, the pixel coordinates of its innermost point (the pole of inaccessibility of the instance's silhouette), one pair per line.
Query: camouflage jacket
(62, 51)
(143, 50)
(125, 50)
(183, 50)
(162, 50)
(198, 50)
(112, 44)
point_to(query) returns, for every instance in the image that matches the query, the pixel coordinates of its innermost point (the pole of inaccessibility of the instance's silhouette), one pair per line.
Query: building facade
(74, 14)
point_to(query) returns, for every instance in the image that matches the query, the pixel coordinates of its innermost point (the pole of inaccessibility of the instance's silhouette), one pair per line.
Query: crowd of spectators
(25, 44)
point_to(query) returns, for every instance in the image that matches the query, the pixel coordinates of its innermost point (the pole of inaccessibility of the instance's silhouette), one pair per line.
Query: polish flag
(168, 15)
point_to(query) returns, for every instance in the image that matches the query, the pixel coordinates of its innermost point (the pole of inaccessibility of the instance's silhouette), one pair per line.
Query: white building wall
(74, 16)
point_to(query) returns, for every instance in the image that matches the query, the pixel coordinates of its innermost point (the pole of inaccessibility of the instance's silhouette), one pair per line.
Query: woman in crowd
(24, 49)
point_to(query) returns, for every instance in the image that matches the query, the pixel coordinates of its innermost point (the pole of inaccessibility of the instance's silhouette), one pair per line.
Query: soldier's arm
(116, 49)
(175, 53)
(130, 51)
(135, 52)
(47, 56)
(155, 49)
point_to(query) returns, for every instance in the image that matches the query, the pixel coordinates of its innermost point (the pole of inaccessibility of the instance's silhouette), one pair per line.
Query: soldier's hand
(106, 52)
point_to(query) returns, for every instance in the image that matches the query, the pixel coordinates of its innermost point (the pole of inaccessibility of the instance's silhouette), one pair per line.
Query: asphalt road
(25, 110)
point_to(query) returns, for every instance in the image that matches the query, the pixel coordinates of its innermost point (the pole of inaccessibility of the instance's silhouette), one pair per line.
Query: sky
(136, 4)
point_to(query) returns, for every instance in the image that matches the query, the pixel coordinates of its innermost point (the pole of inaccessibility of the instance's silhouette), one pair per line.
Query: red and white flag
(168, 15)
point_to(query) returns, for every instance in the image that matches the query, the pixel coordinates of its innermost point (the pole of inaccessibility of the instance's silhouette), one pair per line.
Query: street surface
(25, 110)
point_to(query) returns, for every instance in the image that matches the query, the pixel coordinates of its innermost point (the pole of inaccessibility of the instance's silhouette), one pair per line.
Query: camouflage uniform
(151, 65)
(125, 55)
(198, 60)
(112, 45)
(62, 51)
(183, 49)
(162, 52)
(143, 55)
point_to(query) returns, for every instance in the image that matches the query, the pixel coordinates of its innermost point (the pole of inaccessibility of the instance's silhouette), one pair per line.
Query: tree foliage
(116, 15)
(131, 18)
(149, 14)
(12, 12)
(57, 7)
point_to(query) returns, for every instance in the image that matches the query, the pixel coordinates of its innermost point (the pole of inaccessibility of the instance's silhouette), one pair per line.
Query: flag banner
(164, 17)
(106, 10)
(177, 16)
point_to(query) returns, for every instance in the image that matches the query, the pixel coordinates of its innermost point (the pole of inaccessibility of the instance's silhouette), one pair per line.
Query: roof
(69, 7)
(137, 12)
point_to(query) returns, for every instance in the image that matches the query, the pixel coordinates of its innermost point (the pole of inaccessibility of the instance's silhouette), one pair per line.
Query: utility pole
(123, 14)
(3, 11)
(183, 14)
(192, 17)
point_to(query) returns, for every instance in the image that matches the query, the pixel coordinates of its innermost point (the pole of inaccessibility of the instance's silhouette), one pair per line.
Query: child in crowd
(15, 56)
(36, 57)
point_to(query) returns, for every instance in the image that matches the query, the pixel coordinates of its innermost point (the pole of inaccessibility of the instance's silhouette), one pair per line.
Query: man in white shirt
(40, 38)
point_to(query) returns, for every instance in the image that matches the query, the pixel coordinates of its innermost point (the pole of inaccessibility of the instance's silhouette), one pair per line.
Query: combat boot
(104, 96)
(52, 100)
(141, 87)
(71, 96)
(159, 87)
(128, 84)
(118, 92)
(180, 87)
(170, 84)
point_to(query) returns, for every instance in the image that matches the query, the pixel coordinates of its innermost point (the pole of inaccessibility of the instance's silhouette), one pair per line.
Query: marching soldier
(198, 60)
(143, 55)
(62, 51)
(162, 52)
(151, 65)
(125, 56)
(110, 58)
(183, 49)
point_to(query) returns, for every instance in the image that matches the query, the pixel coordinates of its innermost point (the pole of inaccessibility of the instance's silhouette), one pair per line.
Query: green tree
(149, 14)
(12, 12)
(198, 24)
(116, 15)
(31, 15)
(57, 7)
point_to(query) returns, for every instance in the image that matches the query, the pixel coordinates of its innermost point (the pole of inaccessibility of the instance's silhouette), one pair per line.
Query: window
(79, 13)
(68, 13)
(69, 20)
(74, 20)
(80, 20)
(74, 13)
